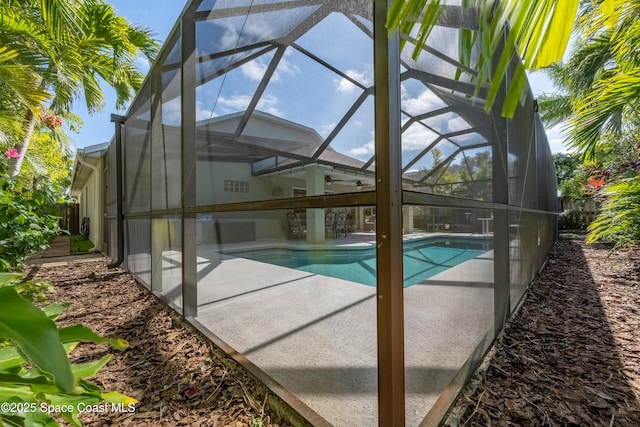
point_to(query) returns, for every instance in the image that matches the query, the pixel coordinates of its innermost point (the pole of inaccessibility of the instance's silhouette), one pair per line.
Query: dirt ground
(571, 356)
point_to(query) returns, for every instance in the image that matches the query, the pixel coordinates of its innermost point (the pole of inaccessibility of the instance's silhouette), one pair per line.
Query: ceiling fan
(362, 185)
(357, 182)
(328, 179)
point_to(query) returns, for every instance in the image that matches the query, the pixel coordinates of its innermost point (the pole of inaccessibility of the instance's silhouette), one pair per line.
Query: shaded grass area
(78, 244)
(574, 234)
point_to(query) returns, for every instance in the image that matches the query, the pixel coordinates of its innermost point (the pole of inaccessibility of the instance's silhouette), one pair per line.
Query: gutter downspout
(119, 121)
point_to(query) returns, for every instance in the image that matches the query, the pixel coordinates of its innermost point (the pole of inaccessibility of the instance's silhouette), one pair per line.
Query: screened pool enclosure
(347, 222)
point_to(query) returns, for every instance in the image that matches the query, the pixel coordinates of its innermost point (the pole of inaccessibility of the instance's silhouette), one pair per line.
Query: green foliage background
(28, 216)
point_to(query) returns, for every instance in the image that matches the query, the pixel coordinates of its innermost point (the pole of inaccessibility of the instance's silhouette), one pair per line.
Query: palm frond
(555, 109)
(603, 109)
(19, 83)
(539, 32)
(144, 39)
(61, 17)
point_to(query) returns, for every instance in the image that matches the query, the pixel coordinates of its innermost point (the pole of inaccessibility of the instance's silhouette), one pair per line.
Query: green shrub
(27, 217)
(619, 217)
(572, 220)
(36, 377)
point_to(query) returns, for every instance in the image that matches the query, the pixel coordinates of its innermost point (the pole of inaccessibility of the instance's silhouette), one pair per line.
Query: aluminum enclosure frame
(522, 182)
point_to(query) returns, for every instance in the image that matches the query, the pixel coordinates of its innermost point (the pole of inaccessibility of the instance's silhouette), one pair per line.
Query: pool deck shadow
(316, 335)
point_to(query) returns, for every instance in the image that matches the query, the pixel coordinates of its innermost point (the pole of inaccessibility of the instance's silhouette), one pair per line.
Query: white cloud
(417, 137)
(326, 129)
(227, 105)
(365, 150)
(424, 102)
(557, 138)
(258, 30)
(457, 123)
(255, 70)
(142, 63)
(557, 145)
(269, 104)
(235, 103)
(345, 86)
(285, 68)
(172, 112)
(203, 113)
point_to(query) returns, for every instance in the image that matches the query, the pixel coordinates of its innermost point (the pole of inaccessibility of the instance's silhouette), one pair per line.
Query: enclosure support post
(388, 160)
(159, 228)
(119, 122)
(501, 268)
(189, 232)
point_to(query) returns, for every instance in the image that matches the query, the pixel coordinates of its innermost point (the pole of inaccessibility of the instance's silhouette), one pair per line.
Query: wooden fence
(70, 217)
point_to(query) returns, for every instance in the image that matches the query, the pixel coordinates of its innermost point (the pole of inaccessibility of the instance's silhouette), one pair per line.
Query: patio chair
(330, 224)
(341, 224)
(295, 229)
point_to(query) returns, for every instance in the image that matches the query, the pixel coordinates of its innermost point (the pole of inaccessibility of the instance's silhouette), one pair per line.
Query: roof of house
(85, 162)
(265, 136)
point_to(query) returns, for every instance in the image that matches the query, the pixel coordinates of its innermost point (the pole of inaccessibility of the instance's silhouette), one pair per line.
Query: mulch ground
(177, 376)
(570, 357)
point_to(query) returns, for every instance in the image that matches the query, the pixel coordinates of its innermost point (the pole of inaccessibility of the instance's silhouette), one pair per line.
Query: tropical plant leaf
(28, 418)
(10, 358)
(89, 369)
(602, 109)
(9, 391)
(73, 402)
(24, 379)
(554, 109)
(54, 310)
(82, 333)
(55, 51)
(117, 398)
(10, 279)
(36, 336)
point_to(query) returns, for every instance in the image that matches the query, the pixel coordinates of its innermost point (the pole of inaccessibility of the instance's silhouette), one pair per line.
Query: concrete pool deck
(316, 335)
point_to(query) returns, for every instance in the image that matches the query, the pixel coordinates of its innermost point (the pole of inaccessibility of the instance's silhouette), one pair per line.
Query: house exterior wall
(91, 205)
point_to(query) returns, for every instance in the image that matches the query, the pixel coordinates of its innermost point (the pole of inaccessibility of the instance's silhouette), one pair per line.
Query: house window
(236, 186)
(299, 192)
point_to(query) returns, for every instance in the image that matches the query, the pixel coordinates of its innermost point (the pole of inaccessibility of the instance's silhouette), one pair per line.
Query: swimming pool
(422, 259)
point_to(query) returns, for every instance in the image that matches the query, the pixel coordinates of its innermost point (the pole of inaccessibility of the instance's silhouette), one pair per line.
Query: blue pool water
(422, 260)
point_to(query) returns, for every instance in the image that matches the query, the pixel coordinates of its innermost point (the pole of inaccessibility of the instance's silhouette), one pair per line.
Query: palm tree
(575, 81)
(68, 47)
(610, 56)
(599, 84)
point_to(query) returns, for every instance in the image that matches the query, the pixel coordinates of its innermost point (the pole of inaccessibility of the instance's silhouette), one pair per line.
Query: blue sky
(160, 16)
